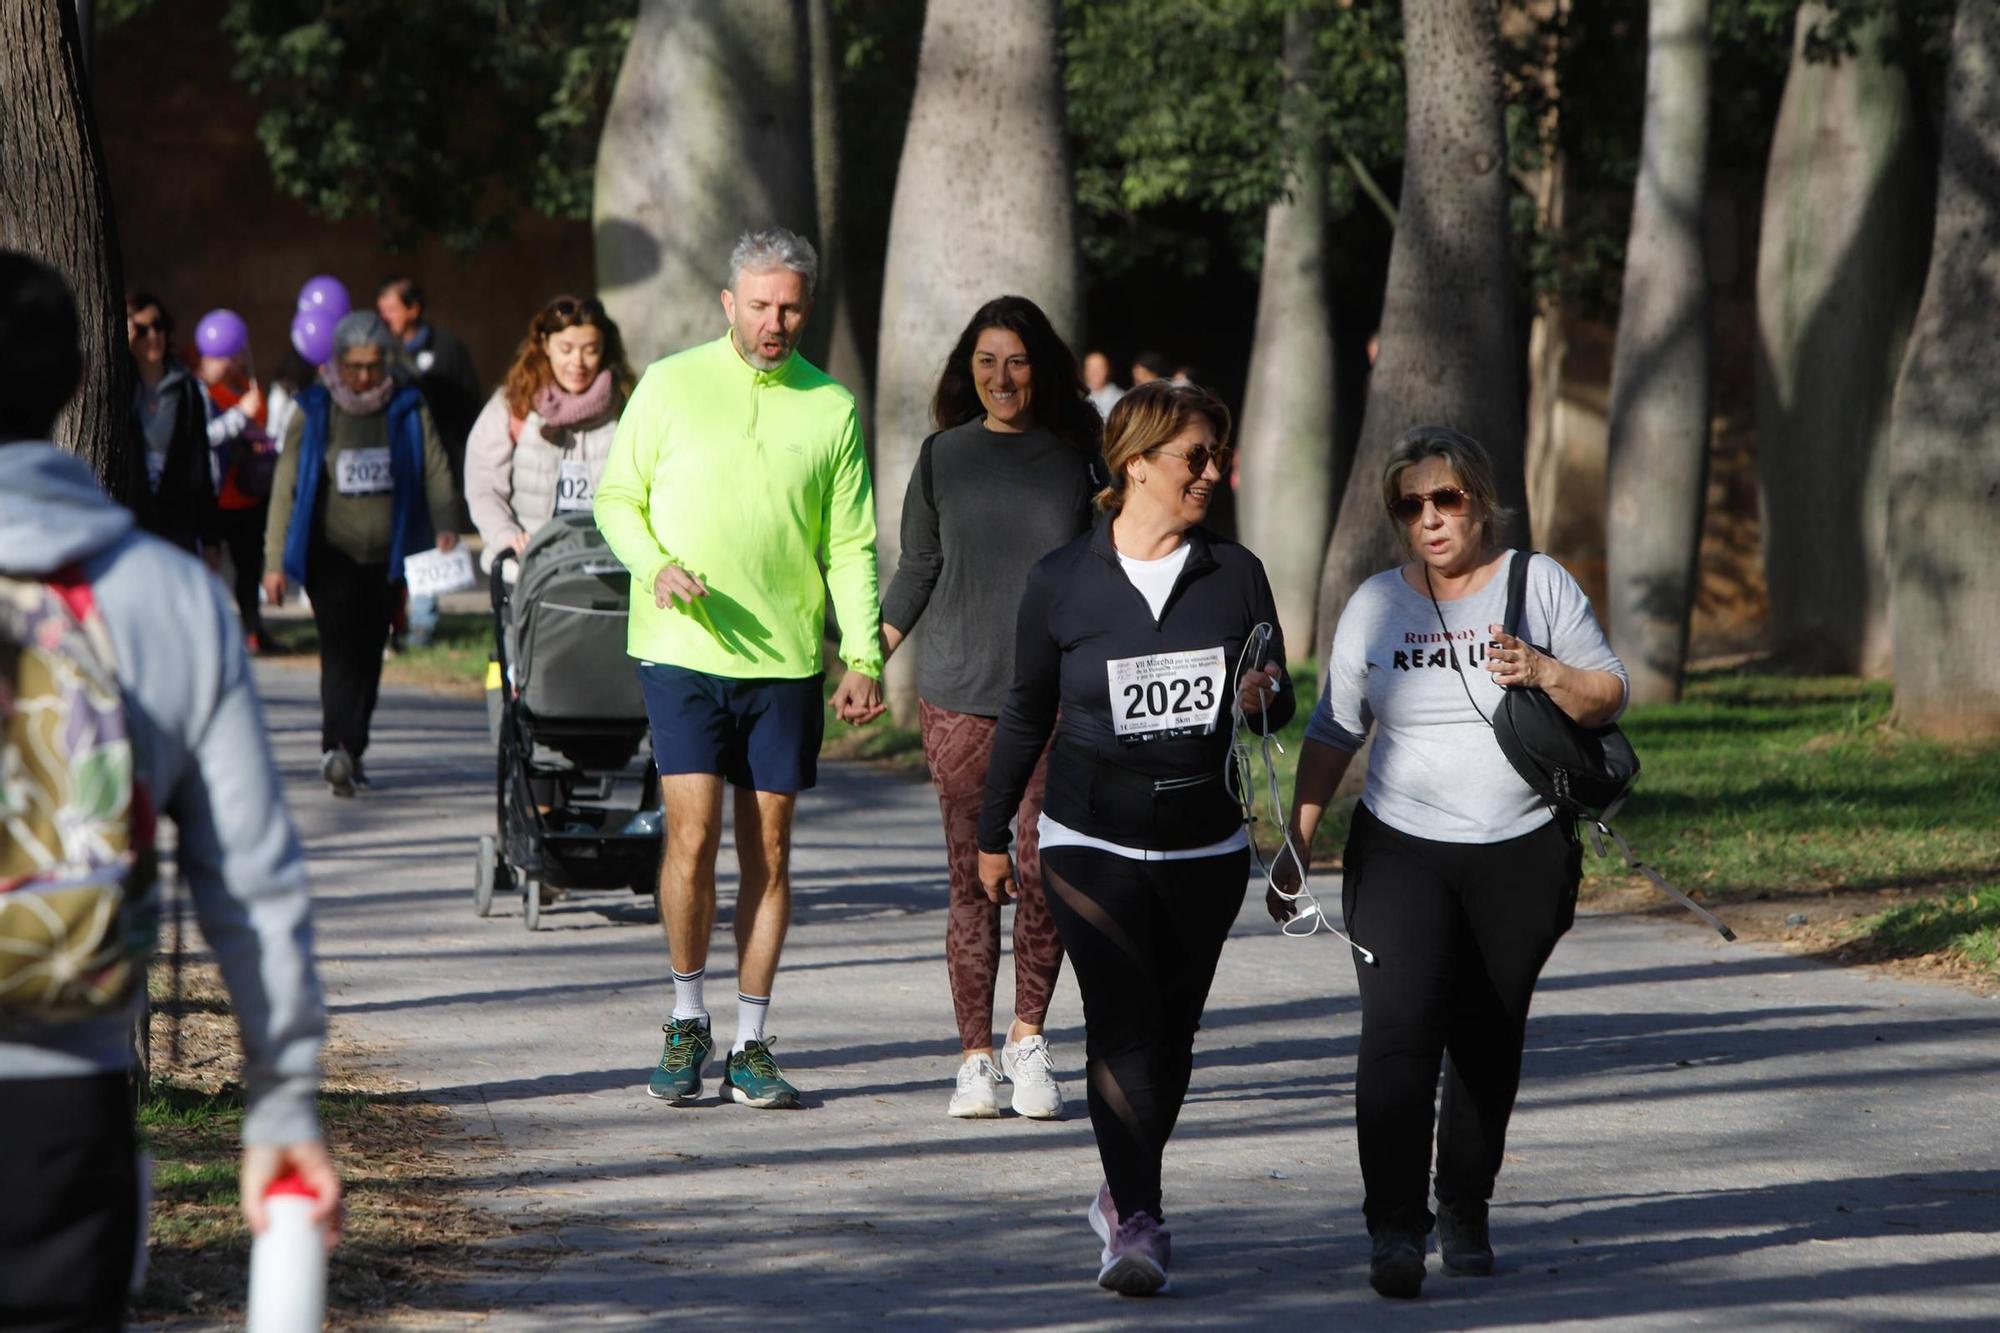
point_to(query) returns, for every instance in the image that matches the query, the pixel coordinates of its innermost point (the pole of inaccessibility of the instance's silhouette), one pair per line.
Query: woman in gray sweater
(1005, 480)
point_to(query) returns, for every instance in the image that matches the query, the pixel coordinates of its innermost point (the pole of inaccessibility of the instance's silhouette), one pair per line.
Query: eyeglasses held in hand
(1450, 502)
(1199, 457)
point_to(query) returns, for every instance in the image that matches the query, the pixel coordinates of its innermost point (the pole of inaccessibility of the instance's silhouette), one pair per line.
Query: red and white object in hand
(288, 1262)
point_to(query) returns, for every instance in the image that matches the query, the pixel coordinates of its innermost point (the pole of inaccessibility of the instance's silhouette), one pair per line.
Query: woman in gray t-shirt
(1004, 481)
(1456, 876)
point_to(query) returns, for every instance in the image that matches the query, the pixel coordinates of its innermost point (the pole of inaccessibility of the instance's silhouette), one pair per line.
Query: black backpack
(1580, 772)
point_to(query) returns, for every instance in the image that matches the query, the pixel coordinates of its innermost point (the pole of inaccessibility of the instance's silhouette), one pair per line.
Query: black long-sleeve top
(1144, 702)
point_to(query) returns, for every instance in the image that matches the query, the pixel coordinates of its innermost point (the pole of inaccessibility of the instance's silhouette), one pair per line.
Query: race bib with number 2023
(1166, 695)
(362, 472)
(573, 491)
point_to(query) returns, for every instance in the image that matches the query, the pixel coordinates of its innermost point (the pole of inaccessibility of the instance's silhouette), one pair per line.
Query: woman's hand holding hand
(1256, 688)
(996, 876)
(1285, 879)
(1517, 664)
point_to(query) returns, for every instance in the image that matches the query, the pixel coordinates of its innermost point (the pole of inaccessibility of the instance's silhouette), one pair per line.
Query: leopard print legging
(956, 746)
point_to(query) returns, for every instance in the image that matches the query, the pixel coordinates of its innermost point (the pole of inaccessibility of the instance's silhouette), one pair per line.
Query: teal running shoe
(677, 1078)
(754, 1079)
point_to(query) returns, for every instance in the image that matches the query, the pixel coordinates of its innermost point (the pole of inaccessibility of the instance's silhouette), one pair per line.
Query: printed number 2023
(1153, 698)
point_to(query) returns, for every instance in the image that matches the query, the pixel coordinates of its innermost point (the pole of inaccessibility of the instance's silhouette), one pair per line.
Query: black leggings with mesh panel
(1144, 938)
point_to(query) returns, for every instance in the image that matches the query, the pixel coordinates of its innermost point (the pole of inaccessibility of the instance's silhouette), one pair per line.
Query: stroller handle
(498, 581)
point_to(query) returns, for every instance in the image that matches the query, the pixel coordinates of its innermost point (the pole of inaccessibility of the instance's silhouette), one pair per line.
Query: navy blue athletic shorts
(762, 734)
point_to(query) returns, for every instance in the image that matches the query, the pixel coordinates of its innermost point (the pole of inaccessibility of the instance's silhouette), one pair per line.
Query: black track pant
(351, 606)
(69, 1229)
(242, 531)
(1144, 938)
(1460, 932)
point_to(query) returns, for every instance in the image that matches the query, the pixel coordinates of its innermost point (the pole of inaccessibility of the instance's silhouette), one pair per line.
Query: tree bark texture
(1657, 464)
(1450, 349)
(833, 314)
(1944, 461)
(1839, 272)
(984, 207)
(1288, 467)
(708, 135)
(55, 204)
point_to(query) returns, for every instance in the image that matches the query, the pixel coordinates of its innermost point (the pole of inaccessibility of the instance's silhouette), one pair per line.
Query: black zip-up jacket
(1160, 785)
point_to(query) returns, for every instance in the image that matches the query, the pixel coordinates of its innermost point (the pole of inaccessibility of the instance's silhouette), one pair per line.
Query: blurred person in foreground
(72, 1227)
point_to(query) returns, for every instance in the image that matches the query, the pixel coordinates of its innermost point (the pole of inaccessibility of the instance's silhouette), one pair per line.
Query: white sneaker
(1032, 1071)
(978, 1094)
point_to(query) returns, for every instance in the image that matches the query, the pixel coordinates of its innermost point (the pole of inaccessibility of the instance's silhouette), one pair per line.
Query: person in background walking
(452, 391)
(1104, 393)
(1457, 877)
(243, 503)
(1134, 645)
(361, 483)
(201, 755)
(1004, 481)
(1149, 366)
(539, 446)
(172, 416)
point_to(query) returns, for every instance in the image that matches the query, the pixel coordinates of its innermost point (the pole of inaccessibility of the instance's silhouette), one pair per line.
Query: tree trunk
(1839, 271)
(1548, 356)
(55, 204)
(708, 135)
(984, 207)
(1288, 468)
(1657, 455)
(1944, 460)
(1450, 350)
(833, 314)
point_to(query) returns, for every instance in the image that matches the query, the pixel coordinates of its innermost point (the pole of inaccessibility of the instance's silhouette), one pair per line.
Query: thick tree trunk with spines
(1288, 470)
(1944, 455)
(1657, 461)
(1450, 346)
(709, 134)
(984, 207)
(55, 204)
(1840, 268)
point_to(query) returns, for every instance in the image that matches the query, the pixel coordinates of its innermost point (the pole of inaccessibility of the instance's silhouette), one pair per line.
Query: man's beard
(754, 354)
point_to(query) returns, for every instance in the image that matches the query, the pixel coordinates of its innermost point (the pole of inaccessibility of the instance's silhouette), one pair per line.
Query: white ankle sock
(751, 1011)
(687, 994)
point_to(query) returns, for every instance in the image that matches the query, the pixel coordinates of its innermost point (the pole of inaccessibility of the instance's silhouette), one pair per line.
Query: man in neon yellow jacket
(735, 463)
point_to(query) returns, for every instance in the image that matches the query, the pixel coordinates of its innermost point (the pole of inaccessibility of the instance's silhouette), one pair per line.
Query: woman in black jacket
(1140, 635)
(170, 412)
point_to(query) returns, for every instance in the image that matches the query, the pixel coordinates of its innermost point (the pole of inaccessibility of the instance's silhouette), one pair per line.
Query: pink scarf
(364, 404)
(562, 409)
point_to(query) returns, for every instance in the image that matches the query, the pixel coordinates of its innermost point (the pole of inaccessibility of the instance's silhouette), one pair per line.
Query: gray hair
(771, 248)
(1471, 467)
(364, 328)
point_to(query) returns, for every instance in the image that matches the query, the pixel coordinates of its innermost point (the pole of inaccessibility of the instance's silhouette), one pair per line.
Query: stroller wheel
(531, 904)
(487, 875)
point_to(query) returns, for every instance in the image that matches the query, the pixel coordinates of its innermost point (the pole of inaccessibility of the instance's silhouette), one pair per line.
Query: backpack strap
(1517, 591)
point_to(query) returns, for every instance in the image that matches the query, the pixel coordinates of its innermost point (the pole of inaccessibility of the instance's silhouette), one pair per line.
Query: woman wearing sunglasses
(1132, 644)
(1004, 481)
(540, 444)
(1456, 877)
(174, 419)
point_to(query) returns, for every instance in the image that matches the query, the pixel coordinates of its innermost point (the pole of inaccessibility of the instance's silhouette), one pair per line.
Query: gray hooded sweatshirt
(199, 739)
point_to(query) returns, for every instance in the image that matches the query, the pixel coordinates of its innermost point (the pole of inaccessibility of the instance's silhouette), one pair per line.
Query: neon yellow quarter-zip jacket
(741, 477)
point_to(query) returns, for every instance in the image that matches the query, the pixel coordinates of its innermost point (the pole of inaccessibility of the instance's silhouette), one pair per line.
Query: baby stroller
(569, 719)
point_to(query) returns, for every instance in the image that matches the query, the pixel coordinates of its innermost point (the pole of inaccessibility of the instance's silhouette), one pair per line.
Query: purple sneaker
(1136, 1257)
(1103, 1215)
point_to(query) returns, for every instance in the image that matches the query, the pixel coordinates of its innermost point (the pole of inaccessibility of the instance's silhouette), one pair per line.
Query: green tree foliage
(1175, 102)
(435, 119)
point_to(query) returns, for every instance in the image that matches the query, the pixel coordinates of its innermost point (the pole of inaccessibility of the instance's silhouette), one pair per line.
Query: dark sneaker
(338, 770)
(1135, 1261)
(754, 1079)
(1396, 1262)
(1462, 1238)
(361, 782)
(677, 1078)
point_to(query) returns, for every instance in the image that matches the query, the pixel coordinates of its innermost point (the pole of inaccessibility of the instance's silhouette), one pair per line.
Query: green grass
(1963, 925)
(455, 660)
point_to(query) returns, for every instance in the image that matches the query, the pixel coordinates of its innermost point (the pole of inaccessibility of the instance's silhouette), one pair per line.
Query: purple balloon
(312, 335)
(324, 295)
(221, 333)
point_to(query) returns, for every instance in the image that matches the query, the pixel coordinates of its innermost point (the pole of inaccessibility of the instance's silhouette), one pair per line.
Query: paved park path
(1709, 1135)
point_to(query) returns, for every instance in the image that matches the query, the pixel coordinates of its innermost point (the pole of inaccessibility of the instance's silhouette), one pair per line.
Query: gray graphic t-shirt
(1436, 771)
